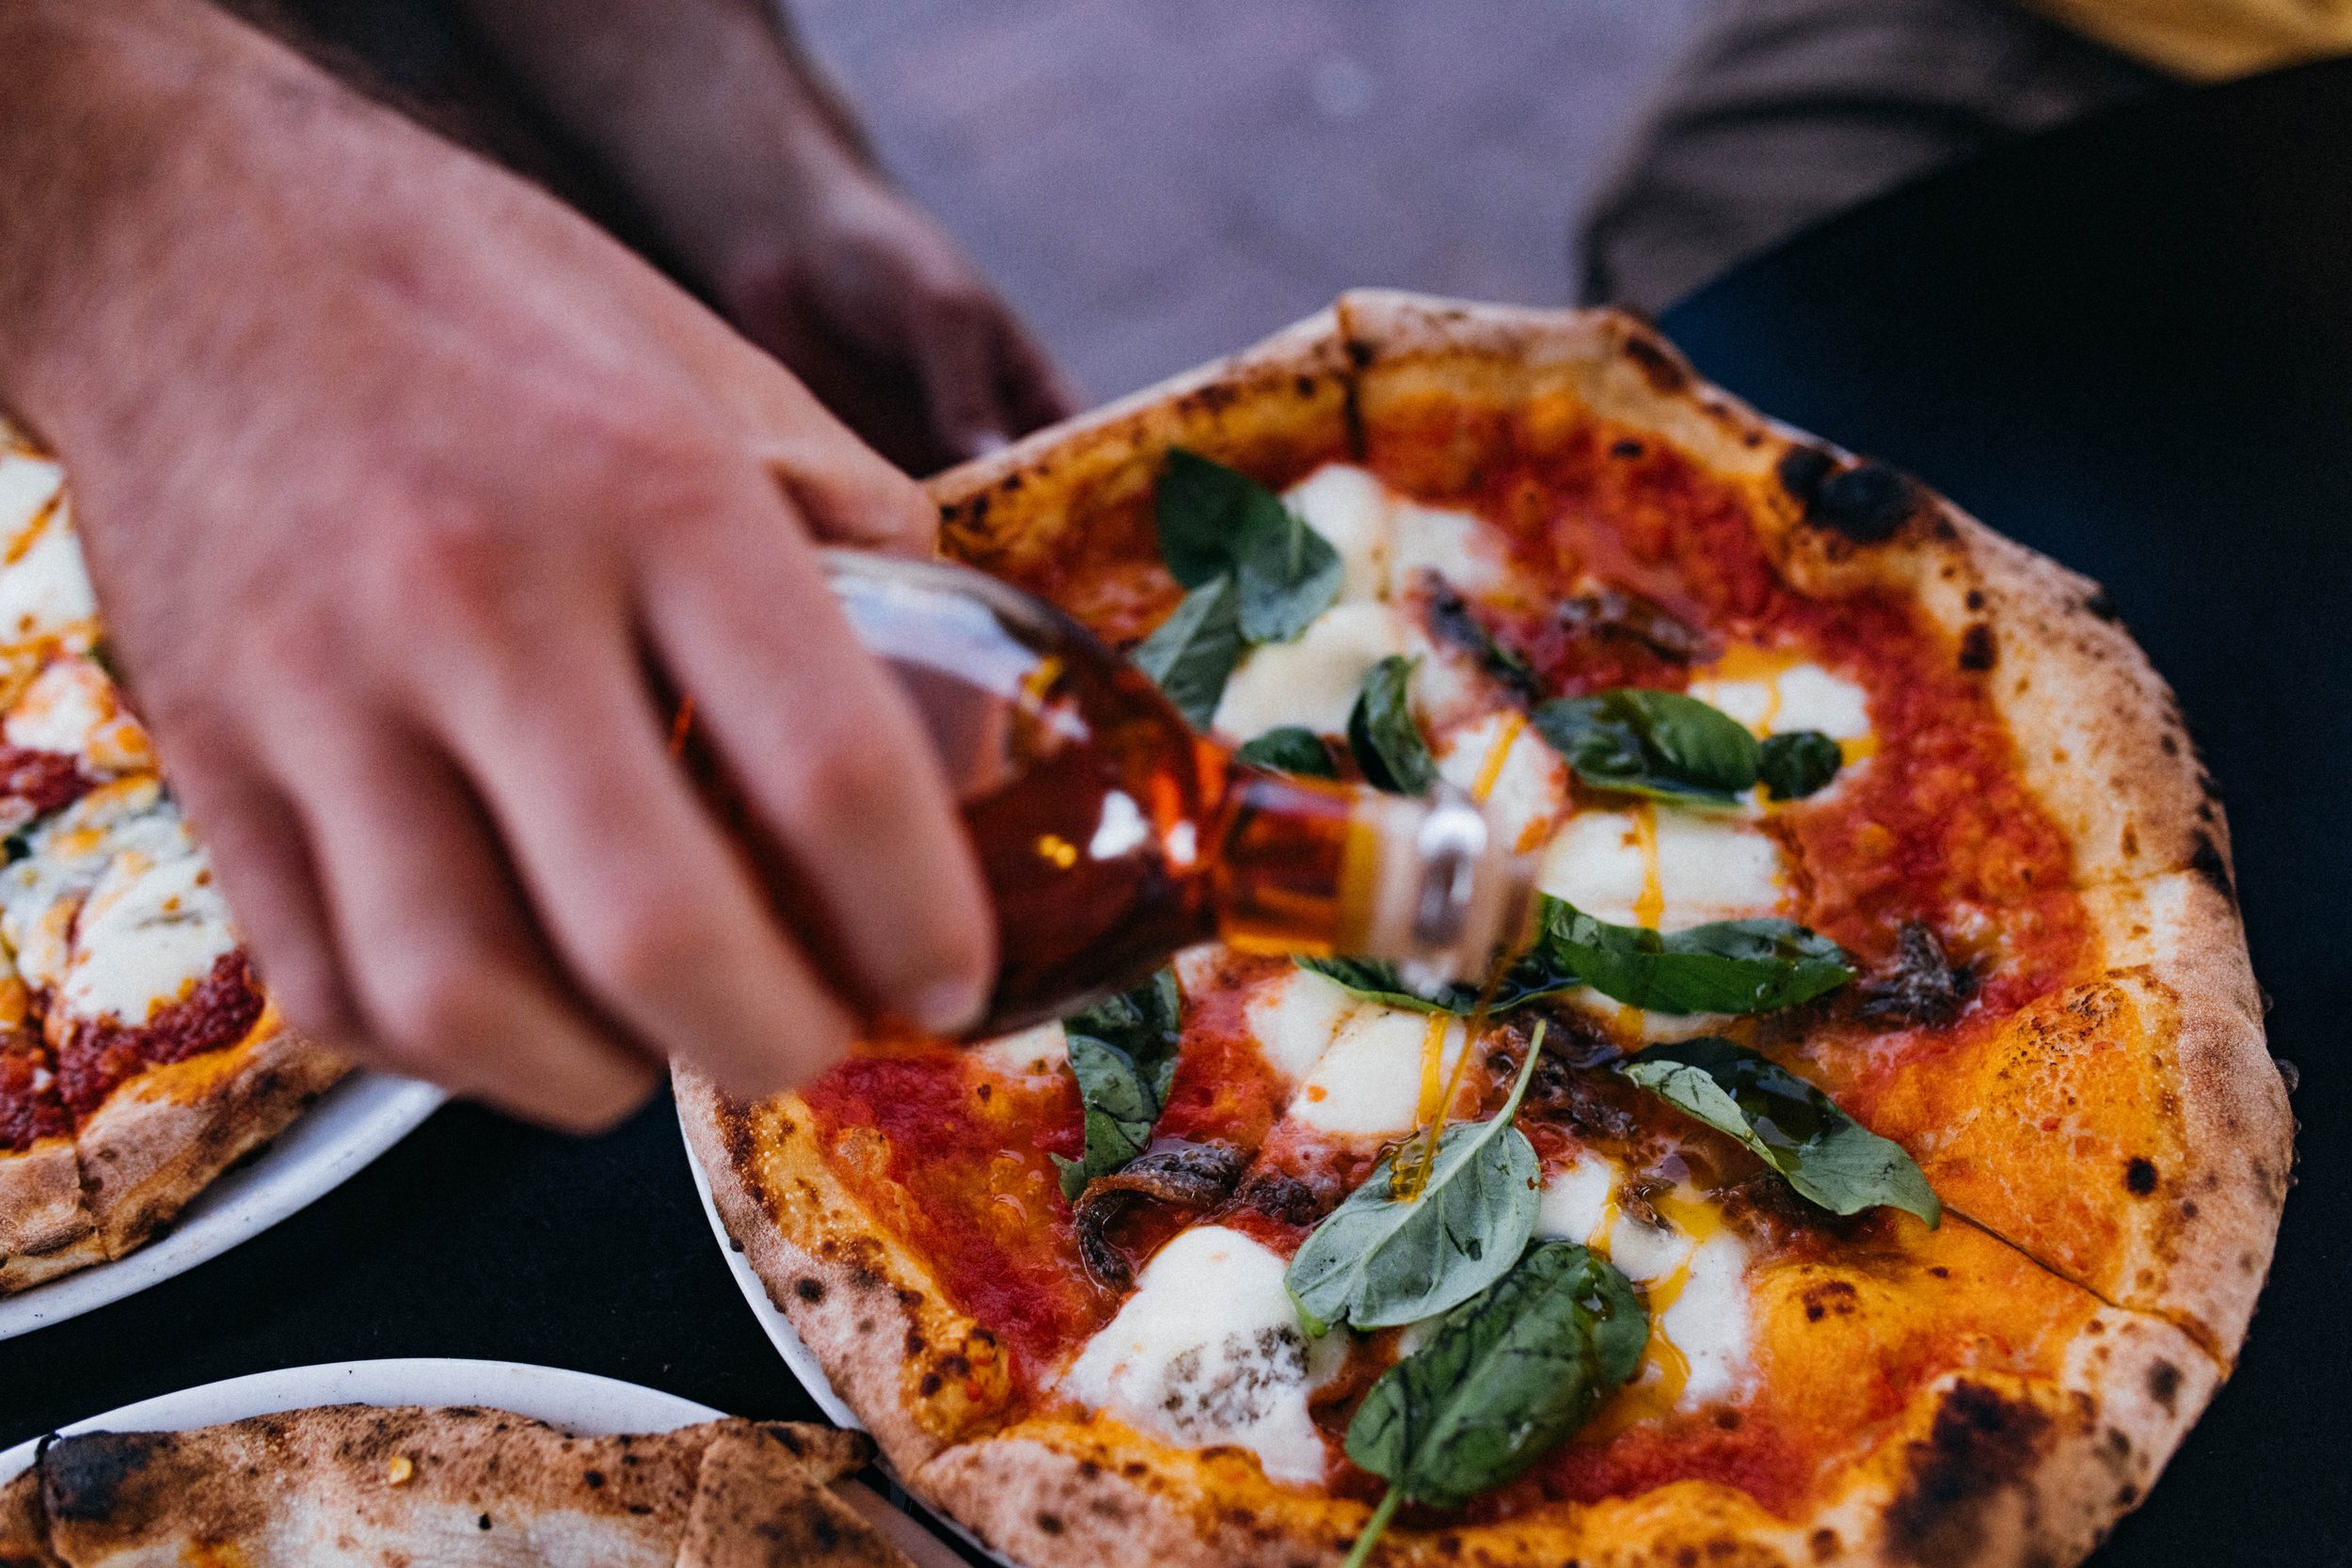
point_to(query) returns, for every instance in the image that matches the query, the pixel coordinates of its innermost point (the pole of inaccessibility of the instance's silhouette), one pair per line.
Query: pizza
(139, 1057)
(361, 1484)
(1876, 1160)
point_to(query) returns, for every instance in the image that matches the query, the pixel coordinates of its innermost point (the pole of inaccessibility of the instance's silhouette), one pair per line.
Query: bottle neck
(1320, 869)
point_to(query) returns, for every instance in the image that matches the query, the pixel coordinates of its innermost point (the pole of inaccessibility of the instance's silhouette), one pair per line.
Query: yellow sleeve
(2212, 40)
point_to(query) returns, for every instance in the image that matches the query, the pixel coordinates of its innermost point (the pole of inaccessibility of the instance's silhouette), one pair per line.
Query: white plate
(579, 1402)
(353, 1123)
(796, 1354)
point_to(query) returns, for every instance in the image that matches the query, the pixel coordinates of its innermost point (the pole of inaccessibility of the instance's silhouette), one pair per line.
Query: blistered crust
(919, 1374)
(45, 1228)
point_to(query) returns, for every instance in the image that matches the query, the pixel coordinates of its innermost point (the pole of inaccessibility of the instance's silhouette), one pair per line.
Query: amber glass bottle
(1112, 834)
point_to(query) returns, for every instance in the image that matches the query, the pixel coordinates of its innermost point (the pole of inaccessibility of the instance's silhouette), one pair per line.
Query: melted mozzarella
(40, 894)
(1207, 1352)
(1706, 865)
(1025, 1054)
(1708, 1319)
(1577, 1199)
(70, 707)
(1800, 697)
(1313, 682)
(44, 591)
(1649, 1253)
(1456, 545)
(28, 485)
(1350, 509)
(1292, 1019)
(1528, 783)
(1368, 1081)
(147, 934)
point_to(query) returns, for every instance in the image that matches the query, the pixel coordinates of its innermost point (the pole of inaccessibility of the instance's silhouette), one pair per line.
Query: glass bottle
(1112, 834)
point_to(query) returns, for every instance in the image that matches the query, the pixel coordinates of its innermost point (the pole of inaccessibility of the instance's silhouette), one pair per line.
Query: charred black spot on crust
(2205, 860)
(594, 1479)
(1657, 364)
(1824, 1543)
(809, 1289)
(1303, 386)
(2140, 1175)
(1921, 986)
(1867, 502)
(931, 1384)
(87, 1477)
(1980, 1445)
(2098, 604)
(482, 1522)
(1800, 470)
(1281, 1197)
(1626, 448)
(1190, 1176)
(1359, 353)
(1977, 648)
(1976, 599)
(2164, 1385)
(823, 1533)
(1829, 1296)
(1050, 1522)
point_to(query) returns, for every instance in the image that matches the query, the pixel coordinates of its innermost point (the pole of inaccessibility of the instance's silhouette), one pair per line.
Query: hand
(887, 323)
(397, 478)
(753, 169)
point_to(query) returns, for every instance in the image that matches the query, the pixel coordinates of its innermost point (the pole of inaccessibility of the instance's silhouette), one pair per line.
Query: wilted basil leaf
(1376, 1262)
(1729, 966)
(1826, 1155)
(1381, 731)
(1122, 1051)
(1214, 521)
(1193, 652)
(1453, 621)
(1290, 750)
(1656, 743)
(1507, 1377)
(1793, 765)
(1378, 981)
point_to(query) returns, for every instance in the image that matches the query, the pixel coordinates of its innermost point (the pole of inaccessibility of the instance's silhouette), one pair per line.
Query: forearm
(117, 118)
(704, 107)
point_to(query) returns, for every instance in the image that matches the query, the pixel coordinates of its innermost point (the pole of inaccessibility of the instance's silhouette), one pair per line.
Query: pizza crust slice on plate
(2052, 1014)
(364, 1484)
(138, 1058)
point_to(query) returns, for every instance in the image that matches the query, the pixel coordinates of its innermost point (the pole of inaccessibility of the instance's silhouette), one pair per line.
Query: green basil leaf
(1290, 750)
(1506, 1377)
(1826, 1155)
(1122, 1051)
(1793, 765)
(1656, 743)
(1193, 652)
(1381, 731)
(1378, 981)
(1214, 521)
(1729, 966)
(1379, 1263)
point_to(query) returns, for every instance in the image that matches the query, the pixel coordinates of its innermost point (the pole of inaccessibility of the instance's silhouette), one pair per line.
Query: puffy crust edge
(169, 1132)
(45, 1228)
(1980, 1469)
(864, 1305)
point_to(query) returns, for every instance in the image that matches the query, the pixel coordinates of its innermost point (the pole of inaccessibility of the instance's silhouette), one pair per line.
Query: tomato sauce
(98, 1056)
(30, 1106)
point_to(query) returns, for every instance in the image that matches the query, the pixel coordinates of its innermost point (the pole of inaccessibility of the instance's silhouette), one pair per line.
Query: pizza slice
(144, 1059)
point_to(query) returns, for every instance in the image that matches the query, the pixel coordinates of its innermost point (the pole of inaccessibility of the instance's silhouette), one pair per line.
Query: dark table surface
(2128, 344)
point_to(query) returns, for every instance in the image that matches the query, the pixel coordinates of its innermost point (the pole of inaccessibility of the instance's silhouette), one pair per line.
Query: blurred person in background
(1786, 111)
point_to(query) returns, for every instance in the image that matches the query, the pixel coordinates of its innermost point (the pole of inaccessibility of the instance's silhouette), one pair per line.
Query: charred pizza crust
(356, 1484)
(2164, 1045)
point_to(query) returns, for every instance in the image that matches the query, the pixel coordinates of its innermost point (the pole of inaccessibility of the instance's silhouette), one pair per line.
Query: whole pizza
(138, 1055)
(1875, 1160)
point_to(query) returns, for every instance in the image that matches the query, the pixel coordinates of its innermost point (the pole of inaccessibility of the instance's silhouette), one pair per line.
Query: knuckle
(436, 1012)
(839, 781)
(642, 946)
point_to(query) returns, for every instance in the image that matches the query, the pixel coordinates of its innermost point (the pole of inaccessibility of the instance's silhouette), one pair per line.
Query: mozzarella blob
(1032, 1052)
(1803, 696)
(1208, 1353)
(1313, 682)
(1707, 865)
(1386, 540)
(70, 707)
(44, 590)
(1368, 1081)
(1527, 783)
(27, 484)
(1293, 1017)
